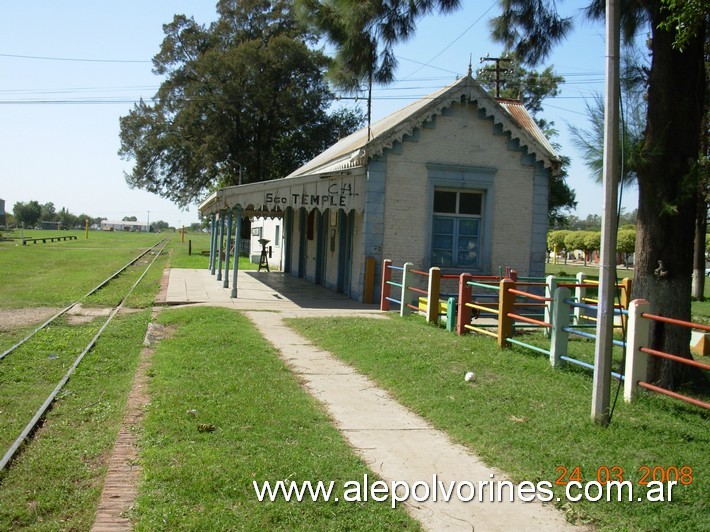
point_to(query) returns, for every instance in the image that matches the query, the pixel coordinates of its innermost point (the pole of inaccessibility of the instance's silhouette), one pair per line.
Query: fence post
(636, 338)
(579, 294)
(505, 305)
(406, 292)
(625, 298)
(464, 314)
(451, 314)
(386, 277)
(550, 288)
(560, 320)
(433, 291)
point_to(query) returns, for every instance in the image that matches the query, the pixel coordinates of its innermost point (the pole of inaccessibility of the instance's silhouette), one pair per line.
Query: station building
(122, 225)
(457, 179)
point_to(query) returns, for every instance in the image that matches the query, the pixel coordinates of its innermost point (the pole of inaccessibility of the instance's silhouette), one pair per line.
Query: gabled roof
(345, 162)
(354, 150)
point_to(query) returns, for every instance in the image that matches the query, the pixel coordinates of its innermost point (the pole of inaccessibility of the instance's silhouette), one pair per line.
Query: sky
(69, 70)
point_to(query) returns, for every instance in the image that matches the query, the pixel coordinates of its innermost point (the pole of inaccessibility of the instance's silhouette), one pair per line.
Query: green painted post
(560, 319)
(451, 314)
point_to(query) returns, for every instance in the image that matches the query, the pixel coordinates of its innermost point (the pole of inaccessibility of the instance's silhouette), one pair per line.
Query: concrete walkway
(395, 443)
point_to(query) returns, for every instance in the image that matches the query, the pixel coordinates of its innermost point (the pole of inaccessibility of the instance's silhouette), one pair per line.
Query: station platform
(275, 291)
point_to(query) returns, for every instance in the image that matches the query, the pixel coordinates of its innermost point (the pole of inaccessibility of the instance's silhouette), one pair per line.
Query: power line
(456, 39)
(74, 59)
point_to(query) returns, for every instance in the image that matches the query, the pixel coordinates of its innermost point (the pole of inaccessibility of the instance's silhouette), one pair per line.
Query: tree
(556, 242)
(591, 141)
(574, 240)
(365, 32)
(158, 226)
(626, 243)
(667, 172)
(592, 241)
(686, 18)
(48, 213)
(129, 219)
(66, 218)
(244, 99)
(27, 214)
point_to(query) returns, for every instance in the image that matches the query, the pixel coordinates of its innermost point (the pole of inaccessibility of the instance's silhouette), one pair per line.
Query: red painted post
(464, 312)
(505, 305)
(386, 277)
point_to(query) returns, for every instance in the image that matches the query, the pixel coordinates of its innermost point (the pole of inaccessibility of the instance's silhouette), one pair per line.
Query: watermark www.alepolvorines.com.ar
(437, 490)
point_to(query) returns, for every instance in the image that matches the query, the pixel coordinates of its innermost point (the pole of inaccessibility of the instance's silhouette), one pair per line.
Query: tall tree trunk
(701, 226)
(701, 217)
(668, 196)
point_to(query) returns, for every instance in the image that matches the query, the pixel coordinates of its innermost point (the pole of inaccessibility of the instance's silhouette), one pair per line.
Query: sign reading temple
(337, 194)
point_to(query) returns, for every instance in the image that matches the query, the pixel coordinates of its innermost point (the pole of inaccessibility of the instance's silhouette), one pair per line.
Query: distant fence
(44, 239)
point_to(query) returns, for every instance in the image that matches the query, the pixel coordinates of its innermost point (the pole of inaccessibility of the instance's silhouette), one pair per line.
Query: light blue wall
(373, 224)
(541, 193)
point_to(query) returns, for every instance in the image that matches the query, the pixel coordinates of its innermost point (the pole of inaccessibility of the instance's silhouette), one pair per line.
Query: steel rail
(66, 309)
(29, 428)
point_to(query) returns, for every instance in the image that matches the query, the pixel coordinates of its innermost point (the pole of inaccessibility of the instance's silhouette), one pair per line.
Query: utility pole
(601, 389)
(147, 227)
(497, 69)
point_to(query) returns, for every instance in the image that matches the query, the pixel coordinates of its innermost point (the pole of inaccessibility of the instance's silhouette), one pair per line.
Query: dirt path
(121, 484)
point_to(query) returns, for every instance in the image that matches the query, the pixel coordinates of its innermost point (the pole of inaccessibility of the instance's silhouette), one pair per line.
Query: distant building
(48, 226)
(120, 225)
(3, 220)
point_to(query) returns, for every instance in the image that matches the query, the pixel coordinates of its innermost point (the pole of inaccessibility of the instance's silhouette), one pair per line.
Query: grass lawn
(56, 274)
(217, 372)
(528, 419)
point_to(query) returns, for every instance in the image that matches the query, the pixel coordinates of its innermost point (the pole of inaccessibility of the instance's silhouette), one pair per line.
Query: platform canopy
(343, 189)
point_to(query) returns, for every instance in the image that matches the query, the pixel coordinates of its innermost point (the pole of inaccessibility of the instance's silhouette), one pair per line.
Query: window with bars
(456, 229)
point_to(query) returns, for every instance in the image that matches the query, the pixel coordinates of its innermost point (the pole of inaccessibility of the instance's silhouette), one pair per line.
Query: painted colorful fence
(638, 352)
(499, 306)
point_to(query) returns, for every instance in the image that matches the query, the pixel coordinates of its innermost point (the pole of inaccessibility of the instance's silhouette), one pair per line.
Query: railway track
(30, 427)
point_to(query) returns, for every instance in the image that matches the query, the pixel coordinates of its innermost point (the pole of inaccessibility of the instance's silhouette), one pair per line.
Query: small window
(456, 229)
(277, 235)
